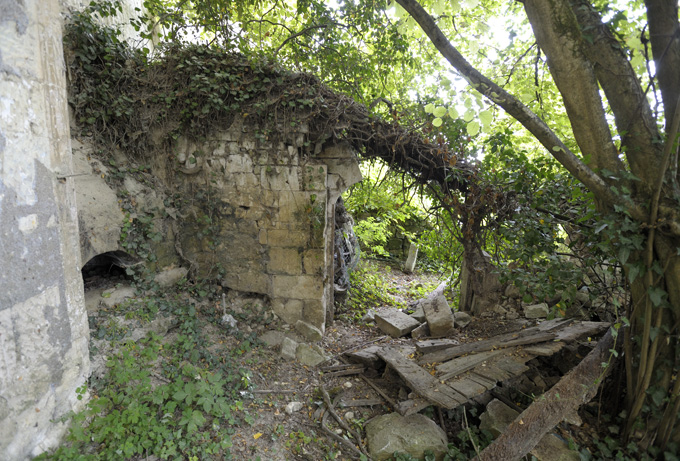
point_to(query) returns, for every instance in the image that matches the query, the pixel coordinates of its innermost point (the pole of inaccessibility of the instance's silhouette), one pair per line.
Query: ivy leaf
(437, 122)
(656, 295)
(624, 253)
(633, 272)
(439, 111)
(473, 128)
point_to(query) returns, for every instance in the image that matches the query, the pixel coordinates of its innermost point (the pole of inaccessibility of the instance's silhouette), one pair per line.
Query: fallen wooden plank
(360, 402)
(486, 345)
(469, 387)
(420, 381)
(432, 345)
(483, 380)
(411, 406)
(460, 365)
(573, 390)
(492, 372)
(580, 330)
(544, 349)
(513, 365)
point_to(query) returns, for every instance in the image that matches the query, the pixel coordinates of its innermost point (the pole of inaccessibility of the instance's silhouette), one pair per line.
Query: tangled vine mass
(122, 98)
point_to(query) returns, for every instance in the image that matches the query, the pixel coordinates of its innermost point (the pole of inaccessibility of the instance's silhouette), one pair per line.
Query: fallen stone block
(439, 316)
(422, 331)
(395, 323)
(462, 319)
(536, 311)
(413, 434)
(308, 331)
(288, 348)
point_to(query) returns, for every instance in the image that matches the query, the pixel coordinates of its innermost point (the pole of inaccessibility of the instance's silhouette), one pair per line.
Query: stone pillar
(43, 322)
(410, 264)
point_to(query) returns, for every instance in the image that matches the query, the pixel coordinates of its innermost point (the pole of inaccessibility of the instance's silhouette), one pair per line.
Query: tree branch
(519, 111)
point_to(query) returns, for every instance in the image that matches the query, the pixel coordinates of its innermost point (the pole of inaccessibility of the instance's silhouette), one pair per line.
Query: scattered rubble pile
(433, 369)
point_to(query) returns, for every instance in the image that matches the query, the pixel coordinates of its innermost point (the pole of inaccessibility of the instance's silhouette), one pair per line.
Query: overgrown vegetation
(167, 397)
(533, 216)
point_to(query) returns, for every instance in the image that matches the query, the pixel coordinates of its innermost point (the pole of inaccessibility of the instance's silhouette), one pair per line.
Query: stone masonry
(43, 324)
(274, 212)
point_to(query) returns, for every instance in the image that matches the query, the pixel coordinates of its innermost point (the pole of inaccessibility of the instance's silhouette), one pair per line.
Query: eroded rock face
(413, 434)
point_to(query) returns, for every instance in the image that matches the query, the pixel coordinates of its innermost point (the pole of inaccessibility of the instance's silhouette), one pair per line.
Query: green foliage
(551, 236)
(369, 288)
(189, 412)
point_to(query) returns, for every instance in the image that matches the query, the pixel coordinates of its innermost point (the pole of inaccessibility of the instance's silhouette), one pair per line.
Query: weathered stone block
(239, 163)
(314, 312)
(308, 331)
(314, 261)
(439, 316)
(288, 348)
(536, 311)
(279, 178)
(251, 280)
(297, 287)
(462, 319)
(314, 177)
(394, 322)
(287, 238)
(413, 434)
(497, 417)
(421, 332)
(290, 310)
(287, 261)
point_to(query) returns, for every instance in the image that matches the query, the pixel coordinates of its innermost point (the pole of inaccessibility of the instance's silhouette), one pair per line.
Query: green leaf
(473, 128)
(469, 115)
(439, 111)
(437, 122)
(453, 113)
(485, 117)
(429, 108)
(633, 272)
(656, 295)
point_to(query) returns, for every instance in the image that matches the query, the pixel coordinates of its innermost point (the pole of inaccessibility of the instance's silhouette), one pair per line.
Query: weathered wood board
(458, 366)
(512, 339)
(420, 381)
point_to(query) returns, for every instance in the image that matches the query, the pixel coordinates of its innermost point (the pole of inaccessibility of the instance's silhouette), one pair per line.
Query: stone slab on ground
(309, 355)
(439, 316)
(422, 331)
(413, 434)
(536, 311)
(367, 356)
(116, 296)
(308, 331)
(395, 323)
(462, 319)
(288, 348)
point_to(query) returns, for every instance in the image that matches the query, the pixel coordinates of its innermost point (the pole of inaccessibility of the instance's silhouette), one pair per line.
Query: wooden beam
(573, 390)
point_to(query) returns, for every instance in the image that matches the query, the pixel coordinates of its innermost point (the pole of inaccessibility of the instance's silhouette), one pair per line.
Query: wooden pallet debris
(422, 382)
(466, 371)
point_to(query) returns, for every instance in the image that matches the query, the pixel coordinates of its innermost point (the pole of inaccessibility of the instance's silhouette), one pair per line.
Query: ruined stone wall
(272, 208)
(43, 324)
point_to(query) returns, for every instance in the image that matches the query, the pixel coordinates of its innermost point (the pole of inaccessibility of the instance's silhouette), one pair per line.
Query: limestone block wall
(43, 324)
(272, 208)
